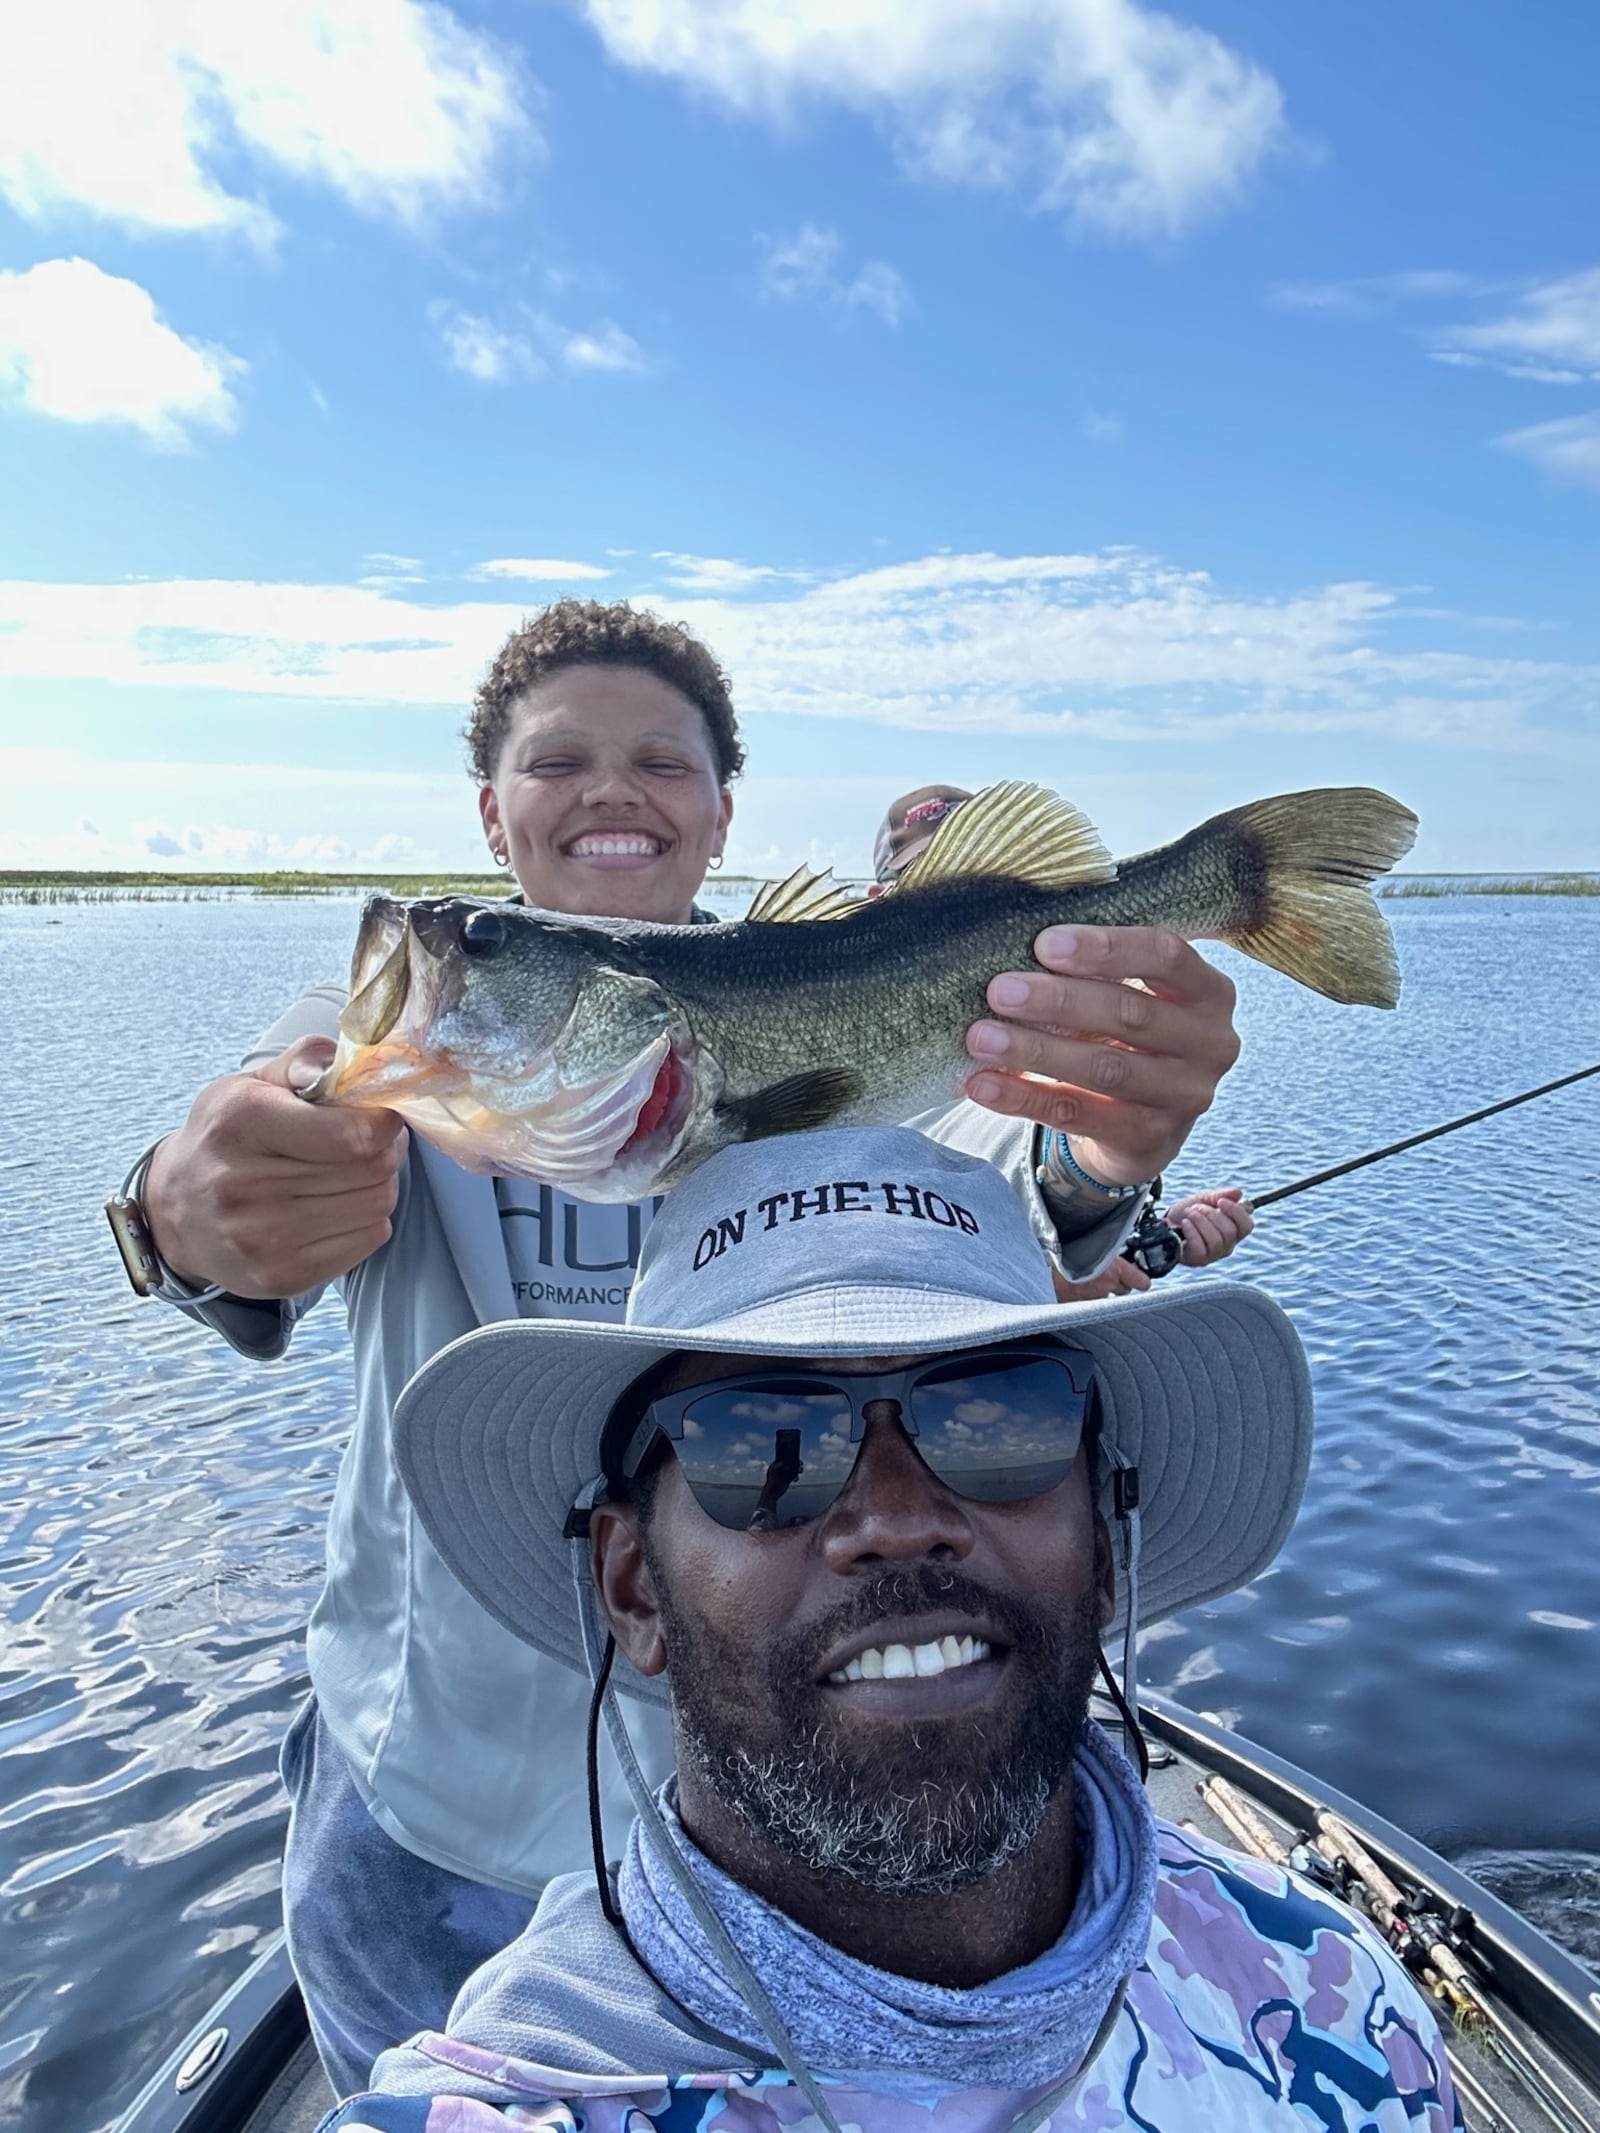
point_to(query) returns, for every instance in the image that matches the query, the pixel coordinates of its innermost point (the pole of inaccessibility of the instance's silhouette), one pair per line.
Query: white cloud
(1101, 428)
(1568, 449)
(177, 816)
(606, 347)
(382, 558)
(1366, 294)
(484, 350)
(1111, 646)
(1551, 334)
(534, 569)
(498, 354)
(132, 109)
(804, 268)
(1117, 114)
(714, 573)
(85, 346)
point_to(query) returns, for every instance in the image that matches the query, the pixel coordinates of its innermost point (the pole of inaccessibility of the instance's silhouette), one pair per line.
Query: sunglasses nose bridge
(885, 1411)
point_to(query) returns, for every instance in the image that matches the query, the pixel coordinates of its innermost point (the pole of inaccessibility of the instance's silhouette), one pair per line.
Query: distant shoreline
(1404, 885)
(39, 886)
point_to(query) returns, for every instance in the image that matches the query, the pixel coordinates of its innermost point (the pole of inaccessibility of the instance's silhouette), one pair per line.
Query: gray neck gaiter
(1030, 2027)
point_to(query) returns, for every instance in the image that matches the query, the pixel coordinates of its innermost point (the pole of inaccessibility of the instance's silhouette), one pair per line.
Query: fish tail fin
(1304, 862)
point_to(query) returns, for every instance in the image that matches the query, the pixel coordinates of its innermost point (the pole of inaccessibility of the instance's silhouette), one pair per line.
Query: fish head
(507, 1036)
(449, 991)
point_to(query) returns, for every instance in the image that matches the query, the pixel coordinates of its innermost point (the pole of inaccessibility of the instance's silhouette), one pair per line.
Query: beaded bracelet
(1058, 1146)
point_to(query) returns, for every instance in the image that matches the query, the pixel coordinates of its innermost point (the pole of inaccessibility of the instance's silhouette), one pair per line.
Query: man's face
(606, 799)
(783, 1652)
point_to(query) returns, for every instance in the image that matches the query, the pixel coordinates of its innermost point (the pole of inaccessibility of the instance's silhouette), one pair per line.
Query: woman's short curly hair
(597, 633)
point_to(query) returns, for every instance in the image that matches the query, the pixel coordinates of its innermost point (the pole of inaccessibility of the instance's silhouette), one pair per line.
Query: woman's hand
(266, 1194)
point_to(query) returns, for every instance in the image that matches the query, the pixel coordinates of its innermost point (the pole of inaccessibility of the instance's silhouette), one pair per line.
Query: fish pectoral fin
(1309, 857)
(795, 1104)
(802, 895)
(1013, 829)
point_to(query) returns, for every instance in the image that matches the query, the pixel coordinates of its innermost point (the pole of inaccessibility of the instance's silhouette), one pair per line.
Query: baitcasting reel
(1155, 1246)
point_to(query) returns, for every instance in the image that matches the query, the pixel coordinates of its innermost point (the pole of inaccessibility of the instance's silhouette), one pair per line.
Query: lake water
(1429, 1640)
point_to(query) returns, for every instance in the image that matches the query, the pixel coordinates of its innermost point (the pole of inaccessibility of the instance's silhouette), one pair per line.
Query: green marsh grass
(1431, 885)
(20, 886)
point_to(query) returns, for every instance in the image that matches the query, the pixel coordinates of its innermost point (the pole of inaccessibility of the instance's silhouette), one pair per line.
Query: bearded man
(849, 1490)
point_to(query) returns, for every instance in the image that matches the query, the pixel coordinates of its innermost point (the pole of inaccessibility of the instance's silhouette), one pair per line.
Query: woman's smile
(606, 798)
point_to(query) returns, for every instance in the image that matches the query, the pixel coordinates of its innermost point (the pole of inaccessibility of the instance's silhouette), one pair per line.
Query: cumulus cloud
(133, 112)
(82, 345)
(499, 352)
(605, 347)
(1569, 449)
(1118, 114)
(483, 350)
(177, 816)
(534, 569)
(1112, 645)
(805, 268)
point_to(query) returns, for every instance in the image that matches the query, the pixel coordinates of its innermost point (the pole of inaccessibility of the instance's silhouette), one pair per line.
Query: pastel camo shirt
(1262, 2005)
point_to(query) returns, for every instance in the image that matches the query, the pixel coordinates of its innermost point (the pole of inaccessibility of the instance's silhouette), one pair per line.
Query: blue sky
(1170, 407)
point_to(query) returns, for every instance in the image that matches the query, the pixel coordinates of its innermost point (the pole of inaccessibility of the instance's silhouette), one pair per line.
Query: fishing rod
(1415, 1140)
(1157, 1248)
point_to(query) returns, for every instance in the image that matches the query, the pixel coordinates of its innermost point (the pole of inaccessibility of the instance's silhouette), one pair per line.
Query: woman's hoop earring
(501, 859)
(713, 862)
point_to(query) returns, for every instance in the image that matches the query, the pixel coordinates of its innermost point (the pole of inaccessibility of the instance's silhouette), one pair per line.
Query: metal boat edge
(232, 2058)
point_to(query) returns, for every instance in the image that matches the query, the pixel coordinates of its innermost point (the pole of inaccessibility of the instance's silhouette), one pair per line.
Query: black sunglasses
(773, 1448)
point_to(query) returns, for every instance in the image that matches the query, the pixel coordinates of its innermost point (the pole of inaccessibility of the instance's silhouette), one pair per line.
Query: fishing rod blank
(1415, 1140)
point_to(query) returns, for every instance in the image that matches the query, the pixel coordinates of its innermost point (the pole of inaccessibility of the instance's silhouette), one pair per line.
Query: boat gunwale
(1550, 1990)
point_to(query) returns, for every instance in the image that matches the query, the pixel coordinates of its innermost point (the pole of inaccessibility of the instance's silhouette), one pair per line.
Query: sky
(1168, 407)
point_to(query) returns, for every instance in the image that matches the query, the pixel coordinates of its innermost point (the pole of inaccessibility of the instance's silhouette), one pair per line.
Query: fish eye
(483, 933)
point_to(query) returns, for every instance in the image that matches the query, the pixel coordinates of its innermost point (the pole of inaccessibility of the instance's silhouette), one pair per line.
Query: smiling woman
(605, 740)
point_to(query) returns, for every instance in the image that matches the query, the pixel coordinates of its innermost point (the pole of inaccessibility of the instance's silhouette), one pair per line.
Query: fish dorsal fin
(804, 894)
(1016, 830)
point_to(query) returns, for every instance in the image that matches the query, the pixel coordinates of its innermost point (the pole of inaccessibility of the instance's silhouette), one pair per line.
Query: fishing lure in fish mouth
(611, 1056)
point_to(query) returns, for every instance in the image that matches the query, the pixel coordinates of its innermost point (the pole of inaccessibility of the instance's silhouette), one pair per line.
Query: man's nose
(893, 1508)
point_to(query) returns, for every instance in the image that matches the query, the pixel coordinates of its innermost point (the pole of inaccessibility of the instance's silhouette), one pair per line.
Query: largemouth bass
(610, 1057)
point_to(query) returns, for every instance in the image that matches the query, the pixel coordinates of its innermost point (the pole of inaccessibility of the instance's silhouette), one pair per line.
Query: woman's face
(606, 799)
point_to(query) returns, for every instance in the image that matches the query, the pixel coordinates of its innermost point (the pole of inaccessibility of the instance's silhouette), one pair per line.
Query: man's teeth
(898, 1662)
(610, 847)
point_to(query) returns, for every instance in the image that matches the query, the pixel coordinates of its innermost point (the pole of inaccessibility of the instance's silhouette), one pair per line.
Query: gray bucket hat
(858, 1241)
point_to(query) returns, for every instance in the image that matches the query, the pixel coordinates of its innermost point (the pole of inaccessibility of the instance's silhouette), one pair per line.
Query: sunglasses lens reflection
(777, 1451)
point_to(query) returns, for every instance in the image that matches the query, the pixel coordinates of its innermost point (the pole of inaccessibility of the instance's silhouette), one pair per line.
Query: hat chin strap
(1125, 1510)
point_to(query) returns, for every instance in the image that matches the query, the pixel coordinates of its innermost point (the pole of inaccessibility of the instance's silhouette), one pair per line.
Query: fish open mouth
(665, 1108)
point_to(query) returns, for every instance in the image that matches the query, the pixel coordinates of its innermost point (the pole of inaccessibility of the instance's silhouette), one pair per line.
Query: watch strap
(147, 1271)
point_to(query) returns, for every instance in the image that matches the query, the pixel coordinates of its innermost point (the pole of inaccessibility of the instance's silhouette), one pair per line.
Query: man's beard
(930, 1805)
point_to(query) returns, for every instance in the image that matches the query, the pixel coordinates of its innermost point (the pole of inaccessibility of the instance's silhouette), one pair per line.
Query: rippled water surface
(1429, 1640)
